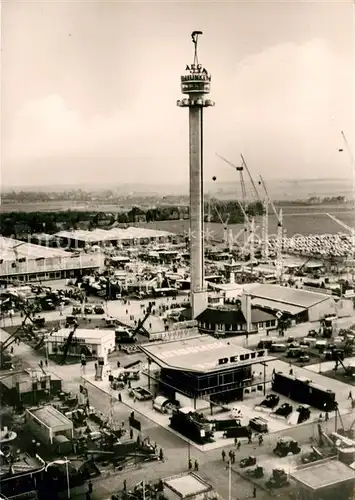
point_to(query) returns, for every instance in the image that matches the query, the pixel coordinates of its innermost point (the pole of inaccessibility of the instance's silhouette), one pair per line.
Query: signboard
(323, 291)
(135, 423)
(243, 357)
(174, 334)
(196, 69)
(184, 324)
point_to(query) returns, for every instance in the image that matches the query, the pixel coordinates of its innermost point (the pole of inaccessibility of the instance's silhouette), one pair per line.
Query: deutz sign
(243, 357)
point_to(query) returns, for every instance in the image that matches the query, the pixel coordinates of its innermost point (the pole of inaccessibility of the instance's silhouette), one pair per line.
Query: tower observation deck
(196, 83)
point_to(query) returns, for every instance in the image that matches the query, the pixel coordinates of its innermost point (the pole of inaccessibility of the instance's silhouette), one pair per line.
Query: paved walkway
(327, 366)
(115, 308)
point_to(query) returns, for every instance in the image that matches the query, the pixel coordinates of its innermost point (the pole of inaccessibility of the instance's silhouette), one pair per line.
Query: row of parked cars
(88, 309)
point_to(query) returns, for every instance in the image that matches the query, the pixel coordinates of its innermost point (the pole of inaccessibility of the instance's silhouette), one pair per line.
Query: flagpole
(230, 480)
(67, 473)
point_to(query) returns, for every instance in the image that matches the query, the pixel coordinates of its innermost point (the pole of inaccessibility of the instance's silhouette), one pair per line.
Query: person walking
(190, 464)
(238, 445)
(254, 492)
(196, 465)
(223, 455)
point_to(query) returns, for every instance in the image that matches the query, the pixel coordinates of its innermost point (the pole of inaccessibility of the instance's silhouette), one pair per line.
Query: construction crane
(141, 322)
(302, 266)
(348, 149)
(255, 190)
(13, 337)
(279, 235)
(239, 169)
(224, 224)
(250, 239)
(68, 343)
(351, 230)
(352, 161)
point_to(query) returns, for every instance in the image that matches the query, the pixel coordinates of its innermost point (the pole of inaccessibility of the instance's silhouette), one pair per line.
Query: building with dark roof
(20, 474)
(29, 387)
(230, 320)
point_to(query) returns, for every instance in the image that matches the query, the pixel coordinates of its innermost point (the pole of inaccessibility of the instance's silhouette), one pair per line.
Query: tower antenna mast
(194, 36)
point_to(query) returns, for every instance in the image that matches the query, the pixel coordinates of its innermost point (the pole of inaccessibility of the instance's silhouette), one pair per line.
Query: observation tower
(196, 83)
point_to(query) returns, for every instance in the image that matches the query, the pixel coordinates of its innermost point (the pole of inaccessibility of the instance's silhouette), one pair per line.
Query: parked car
(88, 309)
(98, 309)
(247, 462)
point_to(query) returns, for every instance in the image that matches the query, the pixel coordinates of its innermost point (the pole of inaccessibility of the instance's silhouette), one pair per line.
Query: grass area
(340, 375)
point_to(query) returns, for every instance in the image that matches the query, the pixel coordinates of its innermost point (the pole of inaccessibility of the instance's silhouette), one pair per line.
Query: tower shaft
(196, 200)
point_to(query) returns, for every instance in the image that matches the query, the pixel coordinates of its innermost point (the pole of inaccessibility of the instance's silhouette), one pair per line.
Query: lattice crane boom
(348, 149)
(347, 228)
(268, 199)
(279, 235)
(239, 169)
(255, 190)
(341, 223)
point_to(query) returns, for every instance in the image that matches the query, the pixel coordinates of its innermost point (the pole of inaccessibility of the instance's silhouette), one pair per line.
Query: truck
(286, 446)
(123, 336)
(192, 424)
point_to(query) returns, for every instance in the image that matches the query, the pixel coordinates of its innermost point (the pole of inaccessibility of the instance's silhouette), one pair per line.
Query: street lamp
(62, 462)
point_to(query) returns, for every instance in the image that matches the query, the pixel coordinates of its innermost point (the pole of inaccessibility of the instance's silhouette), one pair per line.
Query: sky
(89, 89)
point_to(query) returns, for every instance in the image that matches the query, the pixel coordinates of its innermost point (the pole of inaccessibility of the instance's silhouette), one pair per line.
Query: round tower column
(196, 84)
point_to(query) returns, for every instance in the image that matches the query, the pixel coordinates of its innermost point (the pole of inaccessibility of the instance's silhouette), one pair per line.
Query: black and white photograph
(177, 250)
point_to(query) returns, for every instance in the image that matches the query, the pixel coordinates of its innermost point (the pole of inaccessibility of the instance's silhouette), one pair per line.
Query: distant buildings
(116, 237)
(28, 262)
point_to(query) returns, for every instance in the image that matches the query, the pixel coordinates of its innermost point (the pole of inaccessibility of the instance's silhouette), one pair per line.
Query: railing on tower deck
(52, 264)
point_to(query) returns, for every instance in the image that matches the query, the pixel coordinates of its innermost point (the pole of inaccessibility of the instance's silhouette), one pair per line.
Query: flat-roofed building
(328, 480)
(47, 422)
(194, 367)
(116, 236)
(92, 342)
(29, 387)
(187, 486)
(28, 262)
(302, 305)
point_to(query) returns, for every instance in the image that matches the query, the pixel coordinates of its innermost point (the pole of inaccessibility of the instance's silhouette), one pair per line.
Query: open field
(298, 219)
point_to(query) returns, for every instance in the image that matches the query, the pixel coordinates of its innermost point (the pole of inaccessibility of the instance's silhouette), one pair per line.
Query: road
(175, 449)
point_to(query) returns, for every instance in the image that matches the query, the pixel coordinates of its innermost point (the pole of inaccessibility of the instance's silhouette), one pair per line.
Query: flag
(194, 35)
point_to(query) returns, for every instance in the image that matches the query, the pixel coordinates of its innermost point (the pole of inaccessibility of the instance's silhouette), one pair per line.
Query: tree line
(22, 223)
